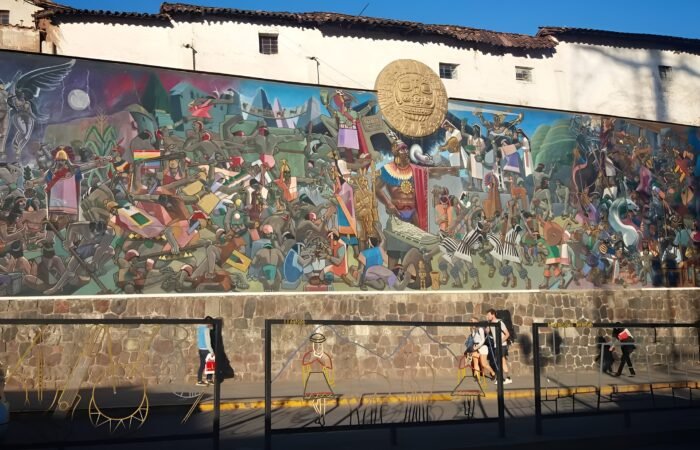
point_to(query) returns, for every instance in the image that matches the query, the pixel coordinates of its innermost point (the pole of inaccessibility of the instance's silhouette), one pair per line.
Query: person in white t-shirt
(505, 335)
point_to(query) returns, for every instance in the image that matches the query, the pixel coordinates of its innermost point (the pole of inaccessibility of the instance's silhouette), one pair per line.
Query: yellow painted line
(393, 399)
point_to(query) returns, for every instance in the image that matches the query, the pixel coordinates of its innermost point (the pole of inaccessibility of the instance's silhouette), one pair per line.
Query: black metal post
(219, 356)
(536, 370)
(268, 385)
(499, 374)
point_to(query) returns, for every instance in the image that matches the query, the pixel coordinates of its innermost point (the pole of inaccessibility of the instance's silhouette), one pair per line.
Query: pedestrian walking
(223, 367)
(491, 316)
(626, 343)
(205, 349)
(480, 353)
(605, 355)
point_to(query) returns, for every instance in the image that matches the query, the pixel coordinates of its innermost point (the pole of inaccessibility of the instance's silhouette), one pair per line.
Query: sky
(666, 17)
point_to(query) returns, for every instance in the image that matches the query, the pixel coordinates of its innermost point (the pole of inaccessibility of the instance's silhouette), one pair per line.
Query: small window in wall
(4, 17)
(523, 74)
(665, 73)
(268, 44)
(448, 71)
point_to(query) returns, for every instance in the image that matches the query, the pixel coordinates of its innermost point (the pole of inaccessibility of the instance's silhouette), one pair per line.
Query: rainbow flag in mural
(145, 155)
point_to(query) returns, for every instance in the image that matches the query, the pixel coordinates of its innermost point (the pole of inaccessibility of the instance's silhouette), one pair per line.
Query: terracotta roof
(317, 19)
(323, 19)
(63, 12)
(621, 39)
(46, 4)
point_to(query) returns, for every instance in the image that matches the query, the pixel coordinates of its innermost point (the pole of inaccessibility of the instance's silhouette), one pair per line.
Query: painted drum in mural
(127, 179)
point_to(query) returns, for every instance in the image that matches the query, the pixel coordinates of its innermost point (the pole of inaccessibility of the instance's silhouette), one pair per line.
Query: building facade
(566, 69)
(235, 153)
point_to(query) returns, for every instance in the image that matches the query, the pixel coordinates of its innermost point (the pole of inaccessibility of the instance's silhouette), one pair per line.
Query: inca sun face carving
(415, 97)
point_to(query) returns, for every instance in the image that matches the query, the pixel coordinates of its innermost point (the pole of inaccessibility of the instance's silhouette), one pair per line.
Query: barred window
(523, 74)
(4, 17)
(448, 71)
(268, 44)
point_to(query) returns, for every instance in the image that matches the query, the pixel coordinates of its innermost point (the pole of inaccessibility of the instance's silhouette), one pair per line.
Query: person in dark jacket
(626, 341)
(605, 356)
(224, 370)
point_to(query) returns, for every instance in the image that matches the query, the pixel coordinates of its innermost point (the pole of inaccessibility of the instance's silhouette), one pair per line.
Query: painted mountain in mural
(279, 112)
(262, 102)
(312, 115)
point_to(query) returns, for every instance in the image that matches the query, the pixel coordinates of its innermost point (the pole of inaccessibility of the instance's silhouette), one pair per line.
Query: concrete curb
(389, 399)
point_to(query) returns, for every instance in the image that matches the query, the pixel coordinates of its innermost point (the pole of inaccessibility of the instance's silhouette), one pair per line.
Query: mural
(125, 179)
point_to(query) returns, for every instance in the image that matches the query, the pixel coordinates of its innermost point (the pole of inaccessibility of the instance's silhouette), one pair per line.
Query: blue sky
(668, 17)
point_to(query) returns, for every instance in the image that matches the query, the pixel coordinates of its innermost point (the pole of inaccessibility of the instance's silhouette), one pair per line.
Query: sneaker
(507, 381)
(201, 383)
(211, 382)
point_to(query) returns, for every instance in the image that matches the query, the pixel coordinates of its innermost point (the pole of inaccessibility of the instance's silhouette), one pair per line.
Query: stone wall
(170, 352)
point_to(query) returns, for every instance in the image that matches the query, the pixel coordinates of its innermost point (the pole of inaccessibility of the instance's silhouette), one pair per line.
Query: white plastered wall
(598, 79)
(20, 12)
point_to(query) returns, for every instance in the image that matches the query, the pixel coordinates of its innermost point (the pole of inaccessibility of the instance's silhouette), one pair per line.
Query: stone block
(61, 307)
(118, 306)
(249, 310)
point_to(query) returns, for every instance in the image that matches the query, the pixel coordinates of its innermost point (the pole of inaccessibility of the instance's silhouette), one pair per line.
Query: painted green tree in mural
(553, 144)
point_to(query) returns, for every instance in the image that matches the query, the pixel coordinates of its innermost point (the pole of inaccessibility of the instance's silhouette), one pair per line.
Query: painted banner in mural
(127, 179)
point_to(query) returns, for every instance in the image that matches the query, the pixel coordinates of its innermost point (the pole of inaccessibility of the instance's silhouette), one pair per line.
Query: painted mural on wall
(124, 179)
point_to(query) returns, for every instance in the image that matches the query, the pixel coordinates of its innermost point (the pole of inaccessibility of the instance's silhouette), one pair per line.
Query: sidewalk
(289, 394)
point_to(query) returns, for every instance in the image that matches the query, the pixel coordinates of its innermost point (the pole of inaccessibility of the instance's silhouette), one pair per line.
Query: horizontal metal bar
(616, 411)
(375, 426)
(118, 441)
(111, 321)
(615, 325)
(388, 323)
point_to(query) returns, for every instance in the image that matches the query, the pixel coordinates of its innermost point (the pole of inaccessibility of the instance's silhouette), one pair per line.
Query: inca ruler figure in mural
(402, 187)
(318, 378)
(291, 188)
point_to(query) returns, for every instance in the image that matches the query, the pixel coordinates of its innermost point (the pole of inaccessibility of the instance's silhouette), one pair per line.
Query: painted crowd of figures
(141, 180)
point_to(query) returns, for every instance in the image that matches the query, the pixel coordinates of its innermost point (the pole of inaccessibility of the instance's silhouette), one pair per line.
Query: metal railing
(646, 387)
(214, 435)
(392, 426)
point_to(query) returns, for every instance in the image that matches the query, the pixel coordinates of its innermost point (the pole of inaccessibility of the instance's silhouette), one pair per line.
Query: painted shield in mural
(553, 233)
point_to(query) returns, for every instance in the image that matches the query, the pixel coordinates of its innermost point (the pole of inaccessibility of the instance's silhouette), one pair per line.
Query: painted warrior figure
(453, 145)
(63, 185)
(500, 133)
(402, 188)
(91, 242)
(350, 133)
(317, 375)
(476, 147)
(366, 211)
